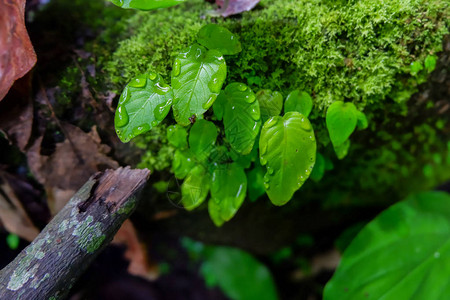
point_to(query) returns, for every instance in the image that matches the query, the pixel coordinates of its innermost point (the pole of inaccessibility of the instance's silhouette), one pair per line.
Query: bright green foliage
(256, 183)
(197, 77)
(319, 168)
(430, 63)
(213, 36)
(361, 122)
(241, 117)
(13, 241)
(144, 103)
(404, 253)
(238, 274)
(270, 104)
(228, 191)
(177, 136)
(195, 187)
(182, 163)
(288, 150)
(416, 67)
(146, 4)
(341, 121)
(299, 101)
(342, 150)
(202, 138)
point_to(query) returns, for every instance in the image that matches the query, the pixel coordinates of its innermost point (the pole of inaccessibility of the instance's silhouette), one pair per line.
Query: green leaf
(144, 103)
(270, 104)
(298, 101)
(319, 168)
(256, 183)
(219, 106)
(177, 136)
(195, 187)
(430, 63)
(404, 253)
(202, 139)
(341, 121)
(228, 190)
(288, 150)
(416, 67)
(197, 78)
(13, 241)
(213, 36)
(241, 117)
(342, 150)
(238, 274)
(182, 163)
(146, 4)
(361, 122)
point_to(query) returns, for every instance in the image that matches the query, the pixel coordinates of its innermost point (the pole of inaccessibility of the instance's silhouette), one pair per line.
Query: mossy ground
(358, 51)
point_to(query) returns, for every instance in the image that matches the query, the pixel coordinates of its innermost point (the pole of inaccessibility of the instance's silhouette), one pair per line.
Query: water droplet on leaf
(121, 118)
(138, 82)
(176, 68)
(210, 101)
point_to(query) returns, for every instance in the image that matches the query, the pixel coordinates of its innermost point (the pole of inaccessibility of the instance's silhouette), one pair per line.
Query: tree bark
(52, 263)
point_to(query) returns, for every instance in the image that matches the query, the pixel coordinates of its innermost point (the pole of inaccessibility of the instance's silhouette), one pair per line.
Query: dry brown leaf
(16, 113)
(135, 252)
(17, 55)
(234, 7)
(13, 215)
(73, 161)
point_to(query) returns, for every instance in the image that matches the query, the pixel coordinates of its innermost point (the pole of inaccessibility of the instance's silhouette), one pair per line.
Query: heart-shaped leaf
(341, 121)
(241, 117)
(288, 149)
(298, 101)
(202, 138)
(228, 190)
(270, 104)
(404, 253)
(144, 103)
(213, 36)
(197, 78)
(195, 187)
(146, 4)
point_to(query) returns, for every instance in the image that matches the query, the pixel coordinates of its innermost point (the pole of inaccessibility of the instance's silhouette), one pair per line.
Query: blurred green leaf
(213, 36)
(298, 101)
(195, 187)
(146, 4)
(202, 138)
(270, 104)
(177, 136)
(404, 253)
(182, 163)
(430, 63)
(416, 67)
(319, 168)
(341, 121)
(256, 182)
(13, 241)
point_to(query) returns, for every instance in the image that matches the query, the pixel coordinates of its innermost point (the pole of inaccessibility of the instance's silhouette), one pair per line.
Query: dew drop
(242, 87)
(198, 53)
(263, 160)
(121, 117)
(209, 102)
(232, 107)
(161, 110)
(215, 84)
(141, 129)
(154, 123)
(250, 98)
(255, 114)
(305, 125)
(270, 171)
(271, 122)
(118, 2)
(138, 82)
(176, 68)
(152, 76)
(266, 185)
(161, 88)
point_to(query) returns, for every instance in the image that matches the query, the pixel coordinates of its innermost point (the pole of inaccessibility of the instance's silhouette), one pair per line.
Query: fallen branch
(52, 263)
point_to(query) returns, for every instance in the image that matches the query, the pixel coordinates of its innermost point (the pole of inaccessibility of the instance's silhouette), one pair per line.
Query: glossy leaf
(288, 150)
(241, 117)
(238, 274)
(319, 168)
(213, 36)
(182, 163)
(361, 122)
(228, 190)
(144, 103)
(195, 187)
(146, 4)
(256, 183)
(341, 121)
(177, 136)
(202, 139)
(197, 78)
(219, 106)
(298, 101)
(404, 253)
(270, 104)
